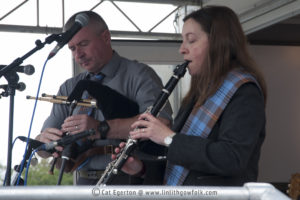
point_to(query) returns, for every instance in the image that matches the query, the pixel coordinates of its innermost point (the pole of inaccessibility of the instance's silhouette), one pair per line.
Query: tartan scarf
(201, 121)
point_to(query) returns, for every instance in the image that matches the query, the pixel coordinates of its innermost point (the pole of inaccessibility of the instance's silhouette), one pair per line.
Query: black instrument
(109, 101)
(114, 166)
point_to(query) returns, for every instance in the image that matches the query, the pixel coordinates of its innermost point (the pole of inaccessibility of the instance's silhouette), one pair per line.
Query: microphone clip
(53, 37)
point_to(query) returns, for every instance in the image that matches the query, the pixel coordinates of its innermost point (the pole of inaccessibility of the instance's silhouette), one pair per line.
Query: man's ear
(107, 36)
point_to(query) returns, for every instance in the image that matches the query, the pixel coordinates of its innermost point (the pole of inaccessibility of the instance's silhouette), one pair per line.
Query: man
(92, 50)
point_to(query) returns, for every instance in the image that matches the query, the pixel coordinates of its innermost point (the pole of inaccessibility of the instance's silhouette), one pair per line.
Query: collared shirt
(132, 79)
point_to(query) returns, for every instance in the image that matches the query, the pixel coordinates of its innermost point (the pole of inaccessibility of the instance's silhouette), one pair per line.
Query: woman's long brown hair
(227, 50)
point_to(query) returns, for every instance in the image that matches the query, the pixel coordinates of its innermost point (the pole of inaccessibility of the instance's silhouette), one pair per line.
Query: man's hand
(79, 123)
(49, 135)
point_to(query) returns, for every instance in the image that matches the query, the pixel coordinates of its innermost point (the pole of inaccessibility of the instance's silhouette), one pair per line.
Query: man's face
(91, 49)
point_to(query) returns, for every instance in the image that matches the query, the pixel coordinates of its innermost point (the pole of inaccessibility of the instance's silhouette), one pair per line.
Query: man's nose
(79, 53)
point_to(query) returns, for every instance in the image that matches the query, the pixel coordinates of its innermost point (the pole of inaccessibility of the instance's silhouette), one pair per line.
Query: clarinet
(114, 166)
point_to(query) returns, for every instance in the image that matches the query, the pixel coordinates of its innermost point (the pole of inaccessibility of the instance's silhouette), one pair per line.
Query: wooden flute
(63, 100)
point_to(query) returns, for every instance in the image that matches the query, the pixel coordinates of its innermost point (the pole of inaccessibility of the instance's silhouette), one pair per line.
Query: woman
(219, 142)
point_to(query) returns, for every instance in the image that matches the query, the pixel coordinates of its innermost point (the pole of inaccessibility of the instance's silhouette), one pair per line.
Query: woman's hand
(153, 129)
(132, 165)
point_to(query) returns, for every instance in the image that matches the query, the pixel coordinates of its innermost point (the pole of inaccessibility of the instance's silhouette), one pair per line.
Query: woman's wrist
(142, 172)
(169, 139)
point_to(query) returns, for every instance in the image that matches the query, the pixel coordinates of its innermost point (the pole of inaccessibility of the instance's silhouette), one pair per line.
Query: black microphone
(81, 20)
(34, 143)
(69, 139)
(21, 86)
(27, 69)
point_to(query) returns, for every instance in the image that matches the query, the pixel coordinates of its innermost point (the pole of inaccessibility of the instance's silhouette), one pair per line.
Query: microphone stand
(9, 72)
(12, 79)
(18, 168)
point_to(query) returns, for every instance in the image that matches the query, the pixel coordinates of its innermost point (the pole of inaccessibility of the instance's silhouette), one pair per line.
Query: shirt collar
(110, 69)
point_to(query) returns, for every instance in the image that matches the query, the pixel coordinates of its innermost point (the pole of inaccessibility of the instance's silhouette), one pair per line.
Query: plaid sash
(201, 121)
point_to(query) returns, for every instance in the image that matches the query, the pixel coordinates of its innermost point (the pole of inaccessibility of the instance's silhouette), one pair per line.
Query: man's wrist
(103, 129)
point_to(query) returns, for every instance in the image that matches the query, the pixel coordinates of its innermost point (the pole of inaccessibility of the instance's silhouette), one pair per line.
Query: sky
(55, 73)
(16, 45)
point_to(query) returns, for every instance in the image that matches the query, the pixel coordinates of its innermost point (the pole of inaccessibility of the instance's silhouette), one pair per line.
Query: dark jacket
(230, 154)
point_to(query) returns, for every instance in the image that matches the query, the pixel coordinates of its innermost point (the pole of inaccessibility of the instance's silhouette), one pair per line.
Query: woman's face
(194, 45)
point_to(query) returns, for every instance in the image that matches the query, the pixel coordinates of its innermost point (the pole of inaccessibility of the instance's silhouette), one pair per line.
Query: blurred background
(149, 31)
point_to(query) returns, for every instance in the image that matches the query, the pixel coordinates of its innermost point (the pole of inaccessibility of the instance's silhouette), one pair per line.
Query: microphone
(66, 140)
(27, 69)
(20, 86)
(81, 20)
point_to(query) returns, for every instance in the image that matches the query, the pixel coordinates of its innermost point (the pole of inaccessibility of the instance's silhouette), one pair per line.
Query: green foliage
(2, 173)
(38, 175)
